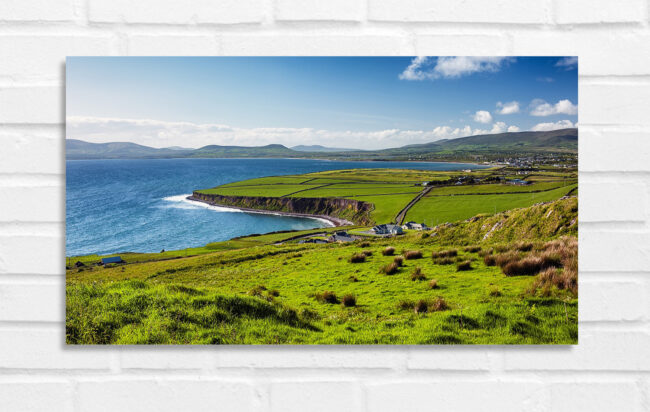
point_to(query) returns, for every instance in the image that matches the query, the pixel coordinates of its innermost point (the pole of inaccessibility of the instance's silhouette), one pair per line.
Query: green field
(270, 289)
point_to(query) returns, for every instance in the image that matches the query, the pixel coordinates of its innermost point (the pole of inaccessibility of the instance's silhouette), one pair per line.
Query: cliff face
(349, 209)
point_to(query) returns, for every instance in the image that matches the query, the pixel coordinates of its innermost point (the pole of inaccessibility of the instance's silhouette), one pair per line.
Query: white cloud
(508, 108)
(482, 116)
(156, 133)
(427, 68)
(513, 129)
(568, 63)
(539, 107)
(562, 124)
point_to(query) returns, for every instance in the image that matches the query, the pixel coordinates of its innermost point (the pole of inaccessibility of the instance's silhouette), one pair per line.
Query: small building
(414, 226)
(518, 182)
(342, 237)
(112, 259)
(387, 229)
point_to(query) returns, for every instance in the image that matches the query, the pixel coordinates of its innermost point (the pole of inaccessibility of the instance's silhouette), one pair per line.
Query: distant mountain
(78, 149)
(316, 148)
(489, 146)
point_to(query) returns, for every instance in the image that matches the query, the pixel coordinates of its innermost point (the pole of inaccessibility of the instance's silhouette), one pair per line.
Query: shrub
(421, 306)
(462, 266)
(326, 297)
(417, 274)
(389, 251)
(433, 284)
(412, 254)
(472, 249)
(349, 300)
(390, 268)
(489, 260)
(444, 254)
(257, 290)
(398, 260)
(486, 252)
(438, 304)
(444, 261)
(524, 246)
(495, 292)
(358, 258)
(364, 244)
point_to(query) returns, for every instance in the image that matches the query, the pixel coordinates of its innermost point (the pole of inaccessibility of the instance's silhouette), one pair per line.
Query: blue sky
(362, 102)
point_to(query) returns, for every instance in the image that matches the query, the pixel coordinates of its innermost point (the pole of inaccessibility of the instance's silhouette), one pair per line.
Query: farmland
(272, 289)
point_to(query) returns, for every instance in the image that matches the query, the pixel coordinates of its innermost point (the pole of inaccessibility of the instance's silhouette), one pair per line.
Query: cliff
(355, 211)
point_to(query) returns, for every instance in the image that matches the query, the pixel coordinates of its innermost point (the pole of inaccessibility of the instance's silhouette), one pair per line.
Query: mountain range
(490, 145)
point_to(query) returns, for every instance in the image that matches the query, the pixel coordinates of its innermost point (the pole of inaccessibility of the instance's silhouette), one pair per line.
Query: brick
(599, 51)
(315, 396)
(609, 150)
(613, 200)
(173, 12)
(32, 302)
(599, 11)
(473, 11)
(338, 10)
(198, 394)
(448, 358)
(27, 204)
(37, 10)
(46, 349)
(598, 350)
(460, 45)
(595, 396)
(333, 45)
(162, 357)
(614, 103)
(36, 396)
(612, 301)
(42, 58)
(172, 45)
(613, 251)
(17, 255)
(455, 396)
(32, 151)
(310, 357)
(45, 104)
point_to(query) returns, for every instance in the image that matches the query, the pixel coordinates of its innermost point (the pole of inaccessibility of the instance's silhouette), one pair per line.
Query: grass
(441, 209)
(268, 289)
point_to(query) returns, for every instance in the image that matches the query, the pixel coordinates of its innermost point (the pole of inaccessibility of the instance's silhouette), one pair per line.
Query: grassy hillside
(466, 148)
(391, 190)
(310, 293)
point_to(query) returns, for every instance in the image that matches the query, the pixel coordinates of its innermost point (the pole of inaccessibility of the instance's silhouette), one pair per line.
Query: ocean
(115, 206)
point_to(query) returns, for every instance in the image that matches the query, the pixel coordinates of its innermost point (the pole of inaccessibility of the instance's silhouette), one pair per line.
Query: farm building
(389, 229)
(518, 182)
(342, 237)
(414, 226)
(112, 259)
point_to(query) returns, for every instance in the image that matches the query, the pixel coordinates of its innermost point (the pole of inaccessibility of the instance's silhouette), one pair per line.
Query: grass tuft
(463, 266)
(326, 297)
(358, 258)
(412, 254)
(349, 300)
(390, 268)
(417, 274)
(389, 251)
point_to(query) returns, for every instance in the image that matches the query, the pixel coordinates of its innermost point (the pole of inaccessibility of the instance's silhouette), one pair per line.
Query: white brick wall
(608, 371)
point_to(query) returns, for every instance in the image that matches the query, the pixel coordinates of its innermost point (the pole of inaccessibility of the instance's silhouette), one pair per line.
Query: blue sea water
(117, 206)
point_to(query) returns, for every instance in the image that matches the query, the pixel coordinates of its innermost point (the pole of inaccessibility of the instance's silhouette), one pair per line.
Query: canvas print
(322, 200)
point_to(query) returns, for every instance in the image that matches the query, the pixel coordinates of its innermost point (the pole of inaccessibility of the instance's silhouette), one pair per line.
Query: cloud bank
(508, 108)
(428, 68)
(545, 127)
(539, 107)
(483, 116)
(156, 133)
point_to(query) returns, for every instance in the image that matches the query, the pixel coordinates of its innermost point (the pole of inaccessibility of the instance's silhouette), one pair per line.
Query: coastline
(334, 221)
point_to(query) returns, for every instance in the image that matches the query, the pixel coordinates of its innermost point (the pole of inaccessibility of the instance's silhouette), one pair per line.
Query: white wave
(182, 202)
